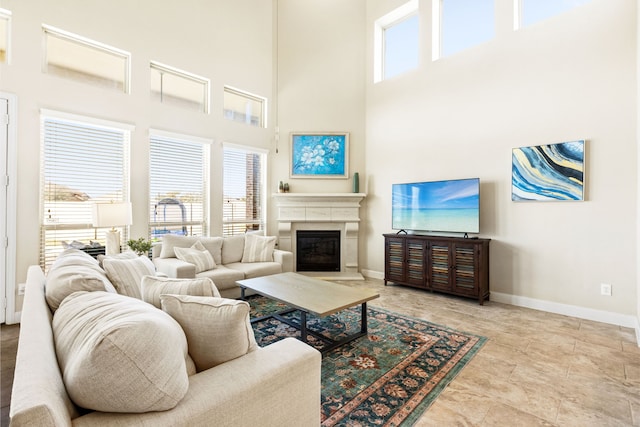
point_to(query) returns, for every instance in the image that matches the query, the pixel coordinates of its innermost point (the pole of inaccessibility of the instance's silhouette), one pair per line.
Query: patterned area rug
(388, 378)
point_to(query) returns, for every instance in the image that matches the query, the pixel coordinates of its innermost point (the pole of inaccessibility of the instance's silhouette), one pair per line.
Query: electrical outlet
(605, 289)
(21, 289)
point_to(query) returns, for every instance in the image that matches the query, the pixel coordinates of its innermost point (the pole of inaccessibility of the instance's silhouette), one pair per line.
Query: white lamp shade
(111, 214)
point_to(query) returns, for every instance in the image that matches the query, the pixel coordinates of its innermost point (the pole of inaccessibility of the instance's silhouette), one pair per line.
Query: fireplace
(321, 212)
(318, 250)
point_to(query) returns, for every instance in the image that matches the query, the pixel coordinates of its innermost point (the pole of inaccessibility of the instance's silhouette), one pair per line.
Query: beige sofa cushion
(258, 248)
(232, 249)
(153, 287)
(171, 241)
(74, 271)
(197, 255)
(217, 329)
(126, 274)
(121, 255)
(119, 354)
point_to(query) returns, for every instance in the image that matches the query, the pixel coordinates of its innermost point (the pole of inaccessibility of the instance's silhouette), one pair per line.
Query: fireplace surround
(338, 212)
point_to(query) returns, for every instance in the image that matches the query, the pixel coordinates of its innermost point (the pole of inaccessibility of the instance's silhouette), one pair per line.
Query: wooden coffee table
(310, 295)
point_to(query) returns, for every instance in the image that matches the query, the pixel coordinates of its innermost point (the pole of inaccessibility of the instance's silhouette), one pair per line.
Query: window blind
(83, 162)
(178, 185)
(243, 189)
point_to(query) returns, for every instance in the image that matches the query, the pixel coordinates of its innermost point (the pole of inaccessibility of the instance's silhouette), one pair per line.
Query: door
(4, 174)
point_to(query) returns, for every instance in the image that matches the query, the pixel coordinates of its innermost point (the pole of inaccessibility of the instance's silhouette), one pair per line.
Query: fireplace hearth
(318, 250)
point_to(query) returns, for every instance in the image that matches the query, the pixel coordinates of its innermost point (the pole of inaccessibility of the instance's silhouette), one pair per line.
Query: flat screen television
(437, 206)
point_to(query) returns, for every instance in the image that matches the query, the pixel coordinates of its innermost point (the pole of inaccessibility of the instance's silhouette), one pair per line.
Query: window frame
(261, 221)
(90, 123)
(48, 30)
(206, 174)
(176, 72)
(7, 16)
(392, 18)
(250, 96)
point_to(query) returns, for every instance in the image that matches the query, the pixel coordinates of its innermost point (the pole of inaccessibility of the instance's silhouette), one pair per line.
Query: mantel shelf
(319, 195)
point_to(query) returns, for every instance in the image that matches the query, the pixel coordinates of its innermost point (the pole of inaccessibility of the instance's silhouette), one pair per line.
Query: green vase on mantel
(356, 182)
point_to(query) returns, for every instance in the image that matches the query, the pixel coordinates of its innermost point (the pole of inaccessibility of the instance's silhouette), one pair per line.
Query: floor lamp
(112, 215)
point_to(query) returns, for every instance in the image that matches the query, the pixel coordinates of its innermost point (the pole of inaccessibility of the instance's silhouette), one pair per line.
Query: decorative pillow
(232, 248)
(74, 271)
(171, 241)
(197, 255)
(121, 255)
(126, 274)
(119, 354)
(153, 287)
(217, 329)
(258, 248)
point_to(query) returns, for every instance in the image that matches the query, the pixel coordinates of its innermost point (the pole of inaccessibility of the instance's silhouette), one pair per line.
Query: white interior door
(4, 174)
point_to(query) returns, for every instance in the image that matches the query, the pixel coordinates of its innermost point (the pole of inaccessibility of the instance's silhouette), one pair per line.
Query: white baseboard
(628, 321)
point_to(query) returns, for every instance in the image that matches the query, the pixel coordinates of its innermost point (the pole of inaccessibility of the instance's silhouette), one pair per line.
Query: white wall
(571, 77)
(228, 42)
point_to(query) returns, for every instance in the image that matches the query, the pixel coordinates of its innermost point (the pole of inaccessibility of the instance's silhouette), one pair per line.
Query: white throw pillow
(119, 354)
(74, 271)
(258, 248)
(217, 329)
(126, 274)
(153, 287)
(121, 255)
(197, 255)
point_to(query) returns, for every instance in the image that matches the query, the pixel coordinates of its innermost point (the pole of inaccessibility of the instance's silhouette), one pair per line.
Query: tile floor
(536, 369)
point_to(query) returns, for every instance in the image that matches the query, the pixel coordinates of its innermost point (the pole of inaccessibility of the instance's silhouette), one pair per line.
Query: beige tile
(501, 415)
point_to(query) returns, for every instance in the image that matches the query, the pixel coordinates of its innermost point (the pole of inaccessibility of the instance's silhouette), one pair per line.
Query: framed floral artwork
(320, 155)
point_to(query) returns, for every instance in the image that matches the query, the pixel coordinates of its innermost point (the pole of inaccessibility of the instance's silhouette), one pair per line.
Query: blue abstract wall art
(319, 155)
(548, 172)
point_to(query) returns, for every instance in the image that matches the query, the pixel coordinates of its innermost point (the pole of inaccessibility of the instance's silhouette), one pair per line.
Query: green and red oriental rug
(388, 378)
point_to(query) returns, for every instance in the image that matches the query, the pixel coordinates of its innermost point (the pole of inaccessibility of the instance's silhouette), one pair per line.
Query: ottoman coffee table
(310, 295)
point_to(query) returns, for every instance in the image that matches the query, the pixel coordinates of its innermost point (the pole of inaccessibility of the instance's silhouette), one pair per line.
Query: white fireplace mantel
(322, 211)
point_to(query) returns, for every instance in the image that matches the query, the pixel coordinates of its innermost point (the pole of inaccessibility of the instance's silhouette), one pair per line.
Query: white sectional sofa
(84, 345)
(234, 258)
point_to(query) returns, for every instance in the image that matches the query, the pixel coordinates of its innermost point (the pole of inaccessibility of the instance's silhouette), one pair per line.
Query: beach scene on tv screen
(451, 206)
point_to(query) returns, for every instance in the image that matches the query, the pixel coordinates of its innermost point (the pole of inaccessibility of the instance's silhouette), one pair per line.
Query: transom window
(244, 107)
(178, 184)
(529, 12)
(244, 189)
(84, 161)
(397, 42)
(181, 88)
(75, 57)
(462, 24)
(5, 35)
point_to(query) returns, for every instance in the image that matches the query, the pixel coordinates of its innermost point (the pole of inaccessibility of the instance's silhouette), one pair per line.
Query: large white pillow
(197, 255)
(171, 241)
(153, 287)
(258, 248)
(126, 274)
(119, 354)
(217, 329)
(74, 271)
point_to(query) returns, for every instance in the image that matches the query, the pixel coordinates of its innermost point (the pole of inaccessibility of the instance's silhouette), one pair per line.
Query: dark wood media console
(453, 265)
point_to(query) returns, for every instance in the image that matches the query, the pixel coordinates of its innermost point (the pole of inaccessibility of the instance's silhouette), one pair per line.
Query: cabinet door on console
(415, 261)
(465, 269)
(394, 256)
(439, 266)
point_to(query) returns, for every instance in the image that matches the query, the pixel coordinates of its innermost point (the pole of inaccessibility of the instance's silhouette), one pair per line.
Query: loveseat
(97, 347)
(231, 259)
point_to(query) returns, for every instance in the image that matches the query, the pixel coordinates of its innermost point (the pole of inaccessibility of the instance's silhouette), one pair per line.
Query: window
(176, 87)
(244, 189)
(396, 42)
(74, 57)
(244, 107)
(5, 35)
(462, 24)
(178, 184)
(531, 11)
(84, 161)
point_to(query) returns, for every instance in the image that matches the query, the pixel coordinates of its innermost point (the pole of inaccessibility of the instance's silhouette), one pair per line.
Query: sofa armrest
(174, 267)
(277, 385)
(285, 258)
